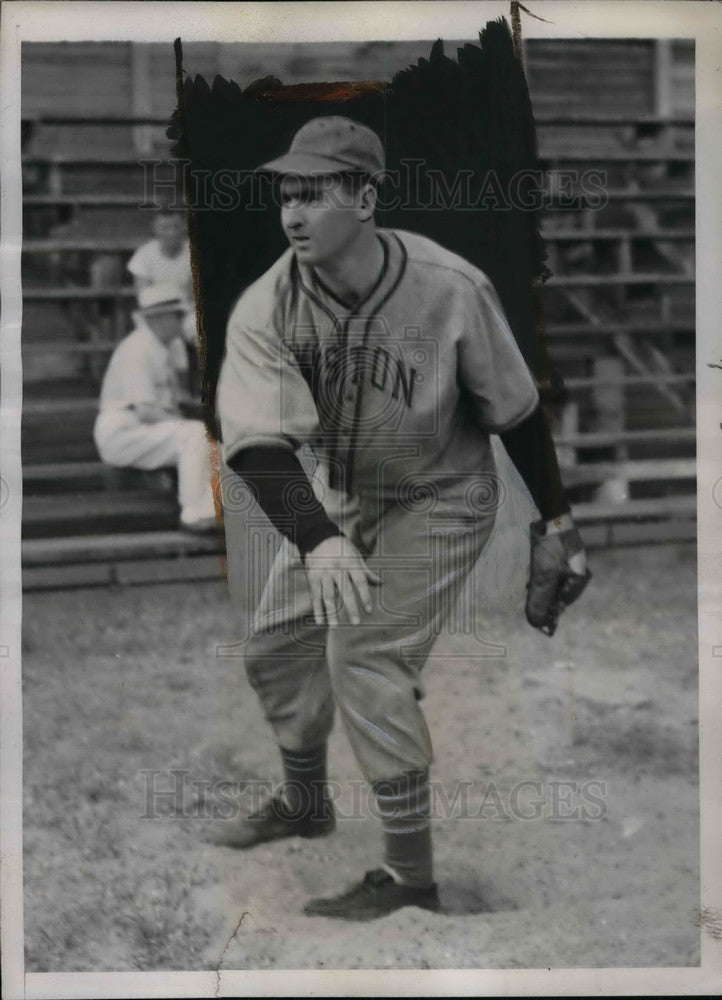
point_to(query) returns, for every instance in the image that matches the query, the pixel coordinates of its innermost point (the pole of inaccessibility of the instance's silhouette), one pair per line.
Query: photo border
(298, 22)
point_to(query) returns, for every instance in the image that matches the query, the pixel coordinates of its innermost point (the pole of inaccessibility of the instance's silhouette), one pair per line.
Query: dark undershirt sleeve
(283, 491)
(531, 449)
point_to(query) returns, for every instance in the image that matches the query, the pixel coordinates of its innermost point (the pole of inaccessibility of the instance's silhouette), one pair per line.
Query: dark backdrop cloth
(460, 147)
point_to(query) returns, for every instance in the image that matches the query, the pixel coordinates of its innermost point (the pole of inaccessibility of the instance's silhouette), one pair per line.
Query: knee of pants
(297, 702)
(370, 675)
(105, 444)
(377, 693)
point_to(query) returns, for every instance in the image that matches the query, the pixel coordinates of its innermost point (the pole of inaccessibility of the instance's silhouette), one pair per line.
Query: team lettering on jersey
(340, 366)
(336, 372)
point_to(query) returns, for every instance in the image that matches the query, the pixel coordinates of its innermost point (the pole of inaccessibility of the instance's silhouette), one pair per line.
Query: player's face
(166, 325)
(319, 216)
(170, 231)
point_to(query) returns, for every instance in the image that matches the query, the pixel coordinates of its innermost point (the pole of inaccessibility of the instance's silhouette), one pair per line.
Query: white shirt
(151, 264)
(140, 371)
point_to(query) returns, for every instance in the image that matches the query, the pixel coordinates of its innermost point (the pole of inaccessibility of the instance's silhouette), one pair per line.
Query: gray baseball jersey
(384, 383)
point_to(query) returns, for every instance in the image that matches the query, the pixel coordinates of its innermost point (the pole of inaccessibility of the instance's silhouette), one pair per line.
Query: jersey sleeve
(262, 397)
(491, 366)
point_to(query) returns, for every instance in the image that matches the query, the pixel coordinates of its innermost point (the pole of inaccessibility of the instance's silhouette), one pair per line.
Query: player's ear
(367, 202)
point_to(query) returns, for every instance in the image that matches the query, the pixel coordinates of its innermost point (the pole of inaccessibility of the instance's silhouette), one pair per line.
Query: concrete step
(100, 512)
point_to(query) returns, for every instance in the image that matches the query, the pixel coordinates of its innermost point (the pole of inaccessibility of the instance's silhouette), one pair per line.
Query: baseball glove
(552, 584)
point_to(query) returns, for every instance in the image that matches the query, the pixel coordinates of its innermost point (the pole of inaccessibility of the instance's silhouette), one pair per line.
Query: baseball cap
(330, 145)
(160, 298)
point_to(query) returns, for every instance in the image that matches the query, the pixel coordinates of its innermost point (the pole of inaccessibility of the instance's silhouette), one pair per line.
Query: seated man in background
(166, 259)
(140, 423)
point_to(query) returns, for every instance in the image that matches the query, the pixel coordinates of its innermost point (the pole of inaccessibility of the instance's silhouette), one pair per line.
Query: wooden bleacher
(619, 318)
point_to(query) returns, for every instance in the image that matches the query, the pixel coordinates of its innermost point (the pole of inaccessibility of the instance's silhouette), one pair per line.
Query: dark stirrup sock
(304, 787)
(404, 807)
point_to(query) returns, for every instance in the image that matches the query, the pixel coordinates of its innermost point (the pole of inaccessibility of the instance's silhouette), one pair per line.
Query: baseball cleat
(375, 896)
(273, 821)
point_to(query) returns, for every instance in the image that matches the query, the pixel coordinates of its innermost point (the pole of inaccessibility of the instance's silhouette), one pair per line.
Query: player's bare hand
(335, 567)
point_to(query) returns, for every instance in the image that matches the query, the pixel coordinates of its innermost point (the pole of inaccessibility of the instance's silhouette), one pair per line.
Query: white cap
(160, 299)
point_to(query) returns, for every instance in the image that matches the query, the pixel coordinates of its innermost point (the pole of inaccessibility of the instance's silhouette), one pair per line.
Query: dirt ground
(596, 864)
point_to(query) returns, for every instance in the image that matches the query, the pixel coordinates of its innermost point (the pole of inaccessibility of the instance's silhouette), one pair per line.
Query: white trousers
(181, 443)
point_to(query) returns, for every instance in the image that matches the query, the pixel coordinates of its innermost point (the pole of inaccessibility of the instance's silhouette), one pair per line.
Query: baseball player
(392, 358)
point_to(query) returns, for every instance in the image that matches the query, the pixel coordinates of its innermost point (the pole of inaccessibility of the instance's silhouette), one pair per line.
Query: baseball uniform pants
(371, 670)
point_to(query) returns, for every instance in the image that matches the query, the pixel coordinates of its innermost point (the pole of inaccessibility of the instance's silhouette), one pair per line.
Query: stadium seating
(619, 318)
